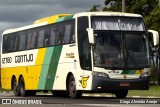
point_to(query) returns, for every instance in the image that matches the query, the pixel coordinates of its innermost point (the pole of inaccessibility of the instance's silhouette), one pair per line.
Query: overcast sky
(17, 13)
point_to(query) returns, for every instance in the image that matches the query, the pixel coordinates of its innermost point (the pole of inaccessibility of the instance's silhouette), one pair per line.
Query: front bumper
(103, 83)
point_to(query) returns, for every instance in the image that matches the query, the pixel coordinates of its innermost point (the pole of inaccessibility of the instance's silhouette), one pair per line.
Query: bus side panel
(32, 77)
(69, 63)
(65, 62)
(49, 68)
(3, 77)
(36, 69)
(8, 73)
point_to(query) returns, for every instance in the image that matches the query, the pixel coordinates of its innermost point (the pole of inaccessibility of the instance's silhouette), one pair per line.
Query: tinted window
(29, 36)
(52, 40)
(56, 34)
(22, 42)
(5, 43)
(33, 40)
(83, 43)
(62, 33)
(41, 38)
(16, 43)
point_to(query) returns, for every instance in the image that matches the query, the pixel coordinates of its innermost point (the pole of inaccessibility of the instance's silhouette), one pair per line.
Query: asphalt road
(85, 101)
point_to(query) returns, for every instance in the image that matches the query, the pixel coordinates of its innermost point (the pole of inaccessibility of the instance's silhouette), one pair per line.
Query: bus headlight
(145, 74)
(100, 74)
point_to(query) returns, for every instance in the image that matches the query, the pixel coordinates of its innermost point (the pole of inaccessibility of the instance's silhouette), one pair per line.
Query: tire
(15, 87)
(73, 93)
(121, 94)
(23, 92)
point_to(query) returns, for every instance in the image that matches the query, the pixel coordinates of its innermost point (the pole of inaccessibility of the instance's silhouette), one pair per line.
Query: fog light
(99, 87)
(145, 74)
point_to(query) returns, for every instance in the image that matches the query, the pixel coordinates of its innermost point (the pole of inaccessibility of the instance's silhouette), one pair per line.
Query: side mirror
(155, 36)
(90, 35)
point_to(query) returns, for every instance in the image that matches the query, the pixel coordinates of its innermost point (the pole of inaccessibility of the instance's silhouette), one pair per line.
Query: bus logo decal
(84, 82)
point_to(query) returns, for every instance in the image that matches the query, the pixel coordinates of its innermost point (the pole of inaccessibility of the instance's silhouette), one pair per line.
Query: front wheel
(72, 88)
(121, 93)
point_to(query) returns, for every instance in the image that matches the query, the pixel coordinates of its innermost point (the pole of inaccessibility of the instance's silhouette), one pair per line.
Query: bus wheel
(23, 92)
(121, 94)
(72, 88)
(15, 87)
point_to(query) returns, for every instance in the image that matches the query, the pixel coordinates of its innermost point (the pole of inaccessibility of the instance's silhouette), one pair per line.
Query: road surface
(85, 101)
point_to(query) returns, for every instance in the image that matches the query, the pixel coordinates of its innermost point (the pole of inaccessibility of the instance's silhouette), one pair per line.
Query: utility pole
(123, 5)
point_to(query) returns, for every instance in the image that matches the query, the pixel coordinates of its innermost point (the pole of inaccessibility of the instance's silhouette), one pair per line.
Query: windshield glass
(118, 23)
(120, 50)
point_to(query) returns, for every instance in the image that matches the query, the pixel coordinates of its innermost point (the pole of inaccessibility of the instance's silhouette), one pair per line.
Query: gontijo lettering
(24, 58)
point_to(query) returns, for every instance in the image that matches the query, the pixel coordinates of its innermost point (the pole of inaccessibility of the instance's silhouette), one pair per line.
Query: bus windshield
(120, 50)
(120, 42)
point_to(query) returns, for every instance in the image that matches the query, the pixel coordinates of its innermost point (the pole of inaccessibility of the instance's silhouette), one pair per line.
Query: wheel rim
(72, 86)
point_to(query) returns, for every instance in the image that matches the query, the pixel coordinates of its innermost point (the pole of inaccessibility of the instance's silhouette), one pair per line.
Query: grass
(153, 91)
(1, 89)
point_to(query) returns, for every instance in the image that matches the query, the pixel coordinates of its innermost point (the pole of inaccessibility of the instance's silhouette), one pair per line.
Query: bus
(71, 54)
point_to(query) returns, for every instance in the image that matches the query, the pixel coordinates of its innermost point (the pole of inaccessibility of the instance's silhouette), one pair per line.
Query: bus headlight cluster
(100, 74)
(145, 74)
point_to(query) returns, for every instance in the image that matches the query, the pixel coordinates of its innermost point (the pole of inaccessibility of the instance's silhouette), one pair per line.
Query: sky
(18, 13)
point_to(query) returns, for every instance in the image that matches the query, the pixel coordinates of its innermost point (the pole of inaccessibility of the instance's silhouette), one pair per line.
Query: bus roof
(108, 14)
(51, 19)
(62, 17)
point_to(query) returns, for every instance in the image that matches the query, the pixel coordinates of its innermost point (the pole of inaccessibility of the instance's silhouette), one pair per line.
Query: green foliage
(94, 8)
(153, 20)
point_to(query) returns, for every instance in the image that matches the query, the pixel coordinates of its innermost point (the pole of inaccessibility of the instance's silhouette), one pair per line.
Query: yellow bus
(71, 54)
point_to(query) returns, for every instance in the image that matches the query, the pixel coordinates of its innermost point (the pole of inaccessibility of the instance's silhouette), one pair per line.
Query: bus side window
(83, 43)
(33, 40)
(52, 40)
(29, 36)
(16, 42)
(60, 36)
(41, 38)
(67, 33)
(22, 43)
(11, 42)
(5, 44)
(72, 35)
(46, 38)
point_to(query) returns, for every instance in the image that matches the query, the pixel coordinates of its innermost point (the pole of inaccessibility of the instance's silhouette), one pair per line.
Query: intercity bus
(69, 55)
